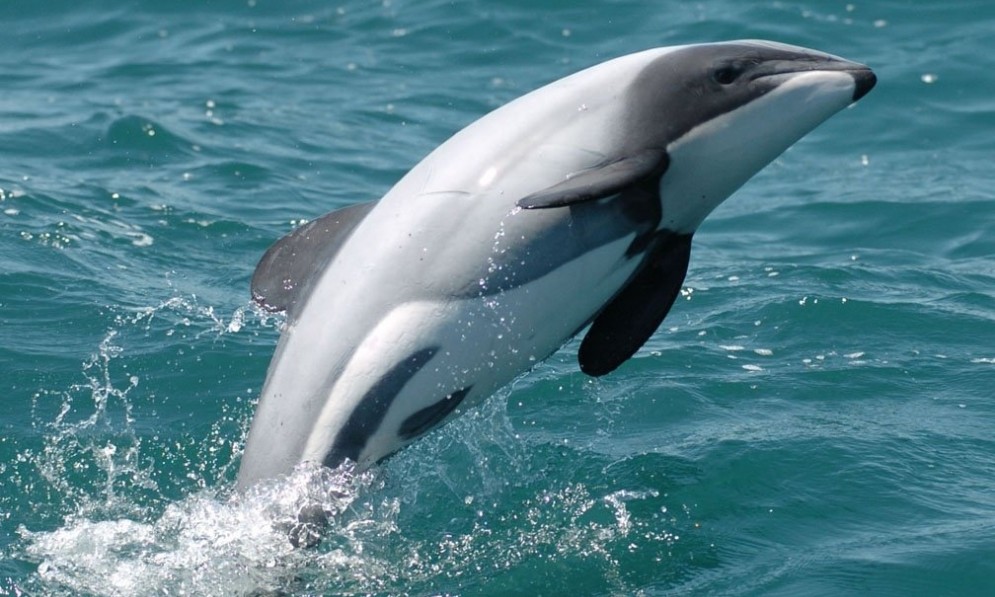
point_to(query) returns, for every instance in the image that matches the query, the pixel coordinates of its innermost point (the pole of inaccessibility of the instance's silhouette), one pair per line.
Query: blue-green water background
(815, 417)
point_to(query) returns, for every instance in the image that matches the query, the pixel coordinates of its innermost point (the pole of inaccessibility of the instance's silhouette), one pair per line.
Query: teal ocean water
(815, 417)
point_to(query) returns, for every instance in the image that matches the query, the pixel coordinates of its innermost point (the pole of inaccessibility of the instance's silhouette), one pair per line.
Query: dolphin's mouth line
(864, 78)
(820, 68)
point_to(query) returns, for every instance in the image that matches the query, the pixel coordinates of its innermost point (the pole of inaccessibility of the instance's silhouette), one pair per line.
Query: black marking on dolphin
(369, 413)
(631, 317)
(430, 416)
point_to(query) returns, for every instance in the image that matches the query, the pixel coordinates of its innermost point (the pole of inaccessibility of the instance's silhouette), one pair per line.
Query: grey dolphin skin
(571, 208)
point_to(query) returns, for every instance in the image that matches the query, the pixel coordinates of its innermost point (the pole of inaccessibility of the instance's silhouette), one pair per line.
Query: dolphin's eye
(725, 75)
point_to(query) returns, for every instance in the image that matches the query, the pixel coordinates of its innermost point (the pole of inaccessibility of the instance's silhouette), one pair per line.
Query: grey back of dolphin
(571, 207)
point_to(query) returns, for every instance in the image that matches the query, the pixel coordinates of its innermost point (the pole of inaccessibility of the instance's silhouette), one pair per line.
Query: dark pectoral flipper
(599, 182)
(628, 321)
(285, 272)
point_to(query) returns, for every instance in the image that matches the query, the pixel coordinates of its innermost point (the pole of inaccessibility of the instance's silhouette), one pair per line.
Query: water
(815, 416)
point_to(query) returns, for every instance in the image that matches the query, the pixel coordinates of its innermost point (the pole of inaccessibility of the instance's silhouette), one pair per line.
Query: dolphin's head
(723, 111)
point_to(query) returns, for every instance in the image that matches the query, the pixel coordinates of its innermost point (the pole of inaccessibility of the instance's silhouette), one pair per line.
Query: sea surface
(815, 417)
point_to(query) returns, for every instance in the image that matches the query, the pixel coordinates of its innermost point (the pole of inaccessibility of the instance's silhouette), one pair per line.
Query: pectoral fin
(599, 182)
(628, 321)
(285, 272)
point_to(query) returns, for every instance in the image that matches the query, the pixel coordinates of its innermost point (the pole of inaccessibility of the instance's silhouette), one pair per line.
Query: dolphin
(570, 208)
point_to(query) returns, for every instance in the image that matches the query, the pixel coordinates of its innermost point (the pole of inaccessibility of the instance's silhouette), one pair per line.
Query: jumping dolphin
(571, 207)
